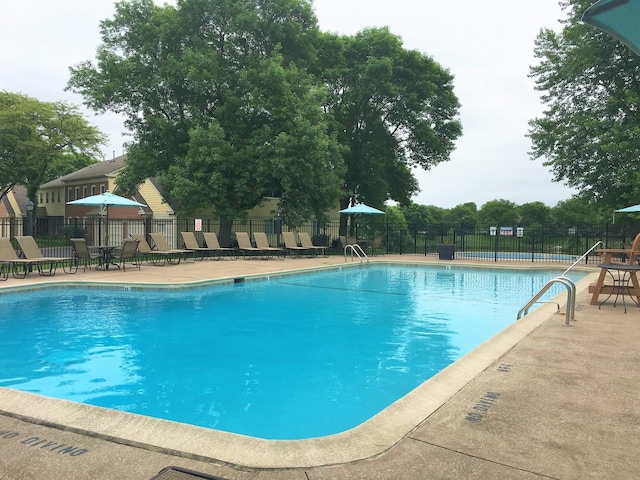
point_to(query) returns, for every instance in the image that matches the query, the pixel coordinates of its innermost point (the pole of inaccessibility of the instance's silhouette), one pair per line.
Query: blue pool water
(286, 358)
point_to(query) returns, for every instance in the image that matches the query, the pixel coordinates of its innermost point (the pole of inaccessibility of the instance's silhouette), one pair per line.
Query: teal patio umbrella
(106, 200)
(362, 208)
(631, 209)
(619, 18)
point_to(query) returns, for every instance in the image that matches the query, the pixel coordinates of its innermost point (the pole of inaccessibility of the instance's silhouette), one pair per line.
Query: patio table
(623, 278)
(107, 253)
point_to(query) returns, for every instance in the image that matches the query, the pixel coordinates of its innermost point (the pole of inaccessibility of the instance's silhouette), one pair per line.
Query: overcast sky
(487, 46)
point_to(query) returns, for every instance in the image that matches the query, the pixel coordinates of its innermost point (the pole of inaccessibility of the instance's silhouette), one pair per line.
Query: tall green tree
(222, 109)
(578, 211)
(40, 141)
(589, 131)
(498, 213)
(417, 216)
(394, 110)
(533, 213)
(465, 214)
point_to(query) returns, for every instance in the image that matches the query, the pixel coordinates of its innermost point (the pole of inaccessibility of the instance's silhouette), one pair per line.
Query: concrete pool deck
(539, 400)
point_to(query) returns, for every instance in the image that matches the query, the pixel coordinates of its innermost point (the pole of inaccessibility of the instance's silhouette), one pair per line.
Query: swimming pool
(107, 341)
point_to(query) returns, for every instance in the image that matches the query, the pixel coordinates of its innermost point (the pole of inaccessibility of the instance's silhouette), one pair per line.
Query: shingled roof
(95, 170)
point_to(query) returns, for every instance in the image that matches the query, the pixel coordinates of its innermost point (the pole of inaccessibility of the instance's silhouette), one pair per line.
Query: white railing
(356, 250)
(570, 313)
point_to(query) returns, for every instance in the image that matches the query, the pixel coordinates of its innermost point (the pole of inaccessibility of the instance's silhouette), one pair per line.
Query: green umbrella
(619, 18)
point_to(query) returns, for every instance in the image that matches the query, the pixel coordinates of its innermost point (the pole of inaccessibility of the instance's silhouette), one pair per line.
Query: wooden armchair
(610, 256)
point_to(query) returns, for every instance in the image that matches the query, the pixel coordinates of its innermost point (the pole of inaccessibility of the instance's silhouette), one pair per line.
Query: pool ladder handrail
(357, 249)
(570, 314)
(599, 242)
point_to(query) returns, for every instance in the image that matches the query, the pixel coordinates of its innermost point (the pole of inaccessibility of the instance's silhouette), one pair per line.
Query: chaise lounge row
(135, 250)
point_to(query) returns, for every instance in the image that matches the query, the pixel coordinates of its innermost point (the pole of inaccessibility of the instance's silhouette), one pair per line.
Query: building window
(58, 196)
(47, 196)
(84, 192)
(69, 195)
(40, 202)
(102, 189)
(77, 193)
(93, 189)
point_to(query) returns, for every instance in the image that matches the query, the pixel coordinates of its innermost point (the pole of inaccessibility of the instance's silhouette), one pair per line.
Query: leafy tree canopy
(394, 110)
(533, 213)
(498, 212)
(40, 141)
(220, 103)
(589, 132)
(577, 211)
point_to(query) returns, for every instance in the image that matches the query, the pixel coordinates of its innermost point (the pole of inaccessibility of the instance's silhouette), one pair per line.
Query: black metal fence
(490, 243)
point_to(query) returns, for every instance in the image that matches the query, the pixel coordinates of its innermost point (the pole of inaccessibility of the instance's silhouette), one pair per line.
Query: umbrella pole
(106, 235)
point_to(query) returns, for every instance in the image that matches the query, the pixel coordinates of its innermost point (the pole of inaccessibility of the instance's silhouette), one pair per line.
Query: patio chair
(291, 245)
(376, 246)
(630, 256)
(154, 257)
(83, 254)
(128, 252)
(263, 244)
(46, 265)
(245, 246)
(161, 245)
(305, 241)
(211, 240)
(10, 262)
(191, 243)
(344, 241)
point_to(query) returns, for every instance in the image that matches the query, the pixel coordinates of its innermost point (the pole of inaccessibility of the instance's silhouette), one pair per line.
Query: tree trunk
(224, 232)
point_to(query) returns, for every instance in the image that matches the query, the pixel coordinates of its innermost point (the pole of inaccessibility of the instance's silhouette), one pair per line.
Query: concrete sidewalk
(539, 401)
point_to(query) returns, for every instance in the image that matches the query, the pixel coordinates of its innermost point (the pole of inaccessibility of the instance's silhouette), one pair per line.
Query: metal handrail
(357, 249)
(571, 299)
(571, 291)
(599, 242)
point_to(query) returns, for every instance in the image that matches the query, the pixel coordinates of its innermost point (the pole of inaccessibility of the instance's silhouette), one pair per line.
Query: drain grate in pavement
(178, 473)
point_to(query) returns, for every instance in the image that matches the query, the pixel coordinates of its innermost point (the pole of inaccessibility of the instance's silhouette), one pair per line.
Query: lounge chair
(161, 245)
(211, 240)
(291, 245)
(154, 257)
(46, 265)
(10, 262)
(191, 243)
(245, 246)
(263, 244)
(305, 241)
(128, 252)
(84, 255)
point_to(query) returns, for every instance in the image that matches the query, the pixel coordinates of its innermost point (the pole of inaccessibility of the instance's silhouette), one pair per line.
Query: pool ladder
(357, 250)
(570, 314)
